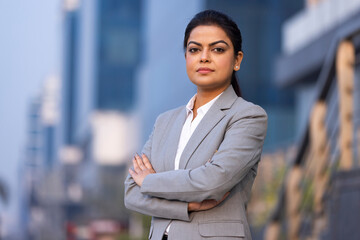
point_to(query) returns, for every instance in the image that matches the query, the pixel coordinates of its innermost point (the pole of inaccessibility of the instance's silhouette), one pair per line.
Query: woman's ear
(238, 60)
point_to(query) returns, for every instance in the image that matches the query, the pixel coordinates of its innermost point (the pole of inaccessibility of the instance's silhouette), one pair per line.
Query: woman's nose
(205, 57)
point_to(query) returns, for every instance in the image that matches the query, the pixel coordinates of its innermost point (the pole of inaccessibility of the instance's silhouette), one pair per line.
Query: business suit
(221, 156)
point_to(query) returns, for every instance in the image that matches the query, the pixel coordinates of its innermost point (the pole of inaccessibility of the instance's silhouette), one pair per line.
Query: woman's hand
(142, 168)
(205, 205)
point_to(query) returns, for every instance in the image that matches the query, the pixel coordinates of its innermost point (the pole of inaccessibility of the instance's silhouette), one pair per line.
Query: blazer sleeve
(239, 151)
(149, 205)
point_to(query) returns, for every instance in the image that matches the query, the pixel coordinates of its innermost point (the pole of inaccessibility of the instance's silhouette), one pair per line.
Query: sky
(29, 52)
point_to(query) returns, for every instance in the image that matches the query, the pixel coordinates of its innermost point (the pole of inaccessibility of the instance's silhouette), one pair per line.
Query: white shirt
(189, 127)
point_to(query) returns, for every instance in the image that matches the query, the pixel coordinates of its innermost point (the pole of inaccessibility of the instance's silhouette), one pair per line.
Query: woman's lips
(204, 70)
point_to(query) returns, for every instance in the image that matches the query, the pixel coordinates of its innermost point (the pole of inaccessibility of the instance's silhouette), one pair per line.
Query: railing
(325, 151)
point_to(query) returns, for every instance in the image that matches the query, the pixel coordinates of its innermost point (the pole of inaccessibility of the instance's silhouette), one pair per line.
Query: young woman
(198, 166)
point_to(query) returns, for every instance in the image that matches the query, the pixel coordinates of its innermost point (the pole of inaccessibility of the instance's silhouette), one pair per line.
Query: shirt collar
(204, 108)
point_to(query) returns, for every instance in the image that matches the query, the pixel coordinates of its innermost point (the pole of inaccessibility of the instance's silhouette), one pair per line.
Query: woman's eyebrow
(196, 43)
(211, 44)
(220, 41)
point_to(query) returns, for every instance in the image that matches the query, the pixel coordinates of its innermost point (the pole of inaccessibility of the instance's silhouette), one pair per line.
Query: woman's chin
(210, 86)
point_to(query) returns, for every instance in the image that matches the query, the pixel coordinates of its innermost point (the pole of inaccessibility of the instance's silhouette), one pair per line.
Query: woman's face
(210, 59)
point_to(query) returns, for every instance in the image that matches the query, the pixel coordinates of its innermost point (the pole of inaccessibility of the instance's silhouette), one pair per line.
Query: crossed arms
(171, 194)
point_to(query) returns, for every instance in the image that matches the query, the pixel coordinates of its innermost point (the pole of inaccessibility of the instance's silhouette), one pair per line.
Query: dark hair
(212, 17)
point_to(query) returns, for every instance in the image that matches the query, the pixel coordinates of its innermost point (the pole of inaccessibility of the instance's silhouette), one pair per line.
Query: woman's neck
(205, 96)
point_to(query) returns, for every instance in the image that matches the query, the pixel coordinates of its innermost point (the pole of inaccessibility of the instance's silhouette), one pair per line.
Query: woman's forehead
(208, 34)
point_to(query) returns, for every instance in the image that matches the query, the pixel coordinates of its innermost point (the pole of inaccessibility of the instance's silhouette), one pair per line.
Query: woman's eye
(218, 50)
(193, 50)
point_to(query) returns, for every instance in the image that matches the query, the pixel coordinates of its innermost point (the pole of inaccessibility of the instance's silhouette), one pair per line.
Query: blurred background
(82, 82)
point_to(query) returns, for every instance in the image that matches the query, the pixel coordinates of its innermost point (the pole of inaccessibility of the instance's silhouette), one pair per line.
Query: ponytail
(235, 85)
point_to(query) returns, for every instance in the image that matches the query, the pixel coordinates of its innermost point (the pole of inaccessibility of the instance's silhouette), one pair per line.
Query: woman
(198, 166)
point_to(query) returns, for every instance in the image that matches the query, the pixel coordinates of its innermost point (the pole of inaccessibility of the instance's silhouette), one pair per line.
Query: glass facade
(260, 27)
(69, 74)
(260, 24)
(118, 53)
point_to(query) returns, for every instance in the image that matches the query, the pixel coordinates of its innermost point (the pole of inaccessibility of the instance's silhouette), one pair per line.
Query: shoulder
(243, 108)
(170, 114)
(247, 114)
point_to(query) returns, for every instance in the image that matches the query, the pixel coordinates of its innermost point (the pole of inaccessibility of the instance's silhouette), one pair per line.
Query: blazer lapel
(211, 118)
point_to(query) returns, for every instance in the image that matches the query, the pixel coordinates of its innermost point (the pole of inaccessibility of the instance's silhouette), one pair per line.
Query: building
(41, 193)
(320, 58)
(307, 38)
(122, 65)
(98, 129)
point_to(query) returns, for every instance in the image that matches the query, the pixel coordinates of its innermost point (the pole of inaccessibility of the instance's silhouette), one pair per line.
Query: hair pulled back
(212, 17)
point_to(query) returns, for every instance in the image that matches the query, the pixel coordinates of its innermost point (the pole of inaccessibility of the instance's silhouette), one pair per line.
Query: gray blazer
(222, 155)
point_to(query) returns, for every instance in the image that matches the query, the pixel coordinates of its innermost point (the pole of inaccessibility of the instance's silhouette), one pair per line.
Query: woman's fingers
(225, 196)
(140, 162)
(147, 163)
(136, 176)
(132, 172)
(206, 204)
(137, 169)
(140, 171)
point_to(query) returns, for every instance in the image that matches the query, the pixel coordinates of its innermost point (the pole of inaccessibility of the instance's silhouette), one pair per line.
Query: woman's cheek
(227, 64)
(189, 62)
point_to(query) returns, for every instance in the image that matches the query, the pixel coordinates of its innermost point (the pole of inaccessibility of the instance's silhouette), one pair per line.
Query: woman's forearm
(152, 206)
(239, 152)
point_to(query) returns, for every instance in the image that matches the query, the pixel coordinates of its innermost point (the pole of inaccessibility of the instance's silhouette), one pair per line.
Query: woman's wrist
(190, 207)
